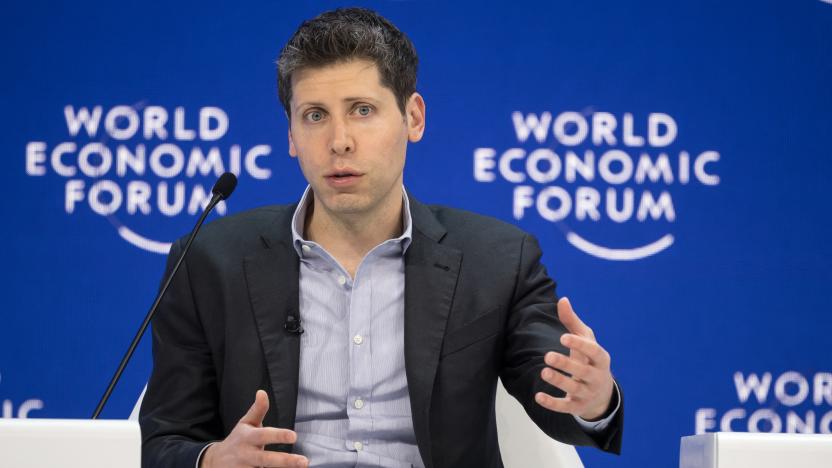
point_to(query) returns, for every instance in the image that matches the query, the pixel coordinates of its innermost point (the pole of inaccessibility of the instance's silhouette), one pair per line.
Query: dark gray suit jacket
(478, 305)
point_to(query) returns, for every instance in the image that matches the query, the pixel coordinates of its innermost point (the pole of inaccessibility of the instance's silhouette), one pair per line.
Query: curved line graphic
(619, 254)
(143, 242)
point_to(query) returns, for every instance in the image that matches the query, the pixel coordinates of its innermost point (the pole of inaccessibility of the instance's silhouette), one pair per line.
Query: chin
(348, 204)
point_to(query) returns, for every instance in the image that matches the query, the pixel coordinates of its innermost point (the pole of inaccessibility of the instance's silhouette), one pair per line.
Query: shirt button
(358, 445)
(342, 280)
(359, 403)
(305, 248)
(358, 339)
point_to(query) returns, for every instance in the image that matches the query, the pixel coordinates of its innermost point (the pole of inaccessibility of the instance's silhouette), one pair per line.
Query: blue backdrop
(672, 157)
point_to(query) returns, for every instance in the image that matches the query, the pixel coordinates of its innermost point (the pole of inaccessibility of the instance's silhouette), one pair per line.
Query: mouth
(342, 174)
(343, 177)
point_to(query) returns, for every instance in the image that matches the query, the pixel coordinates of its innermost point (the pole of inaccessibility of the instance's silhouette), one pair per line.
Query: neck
(349, 237)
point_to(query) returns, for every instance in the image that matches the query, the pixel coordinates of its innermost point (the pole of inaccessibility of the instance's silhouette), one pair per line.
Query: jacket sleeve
(532, 330)
(178, 416)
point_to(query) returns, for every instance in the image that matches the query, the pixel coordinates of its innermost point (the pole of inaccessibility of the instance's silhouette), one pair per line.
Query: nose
(342, 141)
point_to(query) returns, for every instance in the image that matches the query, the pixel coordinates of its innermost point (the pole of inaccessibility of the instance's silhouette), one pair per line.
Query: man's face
(350, 136)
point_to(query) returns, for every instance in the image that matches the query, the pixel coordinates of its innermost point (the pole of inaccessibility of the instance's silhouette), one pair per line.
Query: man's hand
(244, 446)
(589, 386)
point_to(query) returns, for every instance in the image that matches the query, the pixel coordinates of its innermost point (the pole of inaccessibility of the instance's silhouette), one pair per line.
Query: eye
(363, 110)
(314, 116)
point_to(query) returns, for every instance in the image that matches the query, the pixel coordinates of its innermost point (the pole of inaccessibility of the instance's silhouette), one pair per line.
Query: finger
(569, 385)
(570, 319)
(579, 356)
(588, 347)
(270, 435)
(254, 416)
(262, 458)
(574, 368)
(561, 405)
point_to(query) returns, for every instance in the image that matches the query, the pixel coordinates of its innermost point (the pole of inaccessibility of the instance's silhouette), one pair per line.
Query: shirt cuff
(199, 457)
(600, 425)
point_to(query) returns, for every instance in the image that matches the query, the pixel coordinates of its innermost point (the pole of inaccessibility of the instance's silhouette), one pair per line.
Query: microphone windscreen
(225, 185)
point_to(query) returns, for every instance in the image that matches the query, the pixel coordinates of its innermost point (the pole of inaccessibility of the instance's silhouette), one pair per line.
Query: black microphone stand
(222, 189)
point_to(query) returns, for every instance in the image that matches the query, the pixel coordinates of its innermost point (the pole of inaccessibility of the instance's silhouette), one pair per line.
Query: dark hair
(346, 34)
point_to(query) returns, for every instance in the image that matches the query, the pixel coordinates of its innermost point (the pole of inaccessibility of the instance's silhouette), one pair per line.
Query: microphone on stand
(223, 188)
(292, 325)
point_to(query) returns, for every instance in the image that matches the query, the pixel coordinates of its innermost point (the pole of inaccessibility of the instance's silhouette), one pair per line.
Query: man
(367, 328)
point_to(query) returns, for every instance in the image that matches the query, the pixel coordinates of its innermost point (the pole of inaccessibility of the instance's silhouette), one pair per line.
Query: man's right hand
(243, 448)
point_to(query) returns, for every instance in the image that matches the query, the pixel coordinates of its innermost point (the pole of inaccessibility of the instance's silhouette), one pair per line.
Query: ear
(293, 152)
(415, 117)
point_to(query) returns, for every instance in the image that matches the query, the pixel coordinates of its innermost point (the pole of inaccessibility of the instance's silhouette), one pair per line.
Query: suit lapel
(272, 279)
(431, 272)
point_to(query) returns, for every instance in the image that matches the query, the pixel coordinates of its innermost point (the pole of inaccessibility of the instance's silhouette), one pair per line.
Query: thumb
(254, 416)
(570, 319)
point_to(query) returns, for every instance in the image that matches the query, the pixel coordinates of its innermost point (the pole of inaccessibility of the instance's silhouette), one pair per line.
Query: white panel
(746, 450)
(69, 443)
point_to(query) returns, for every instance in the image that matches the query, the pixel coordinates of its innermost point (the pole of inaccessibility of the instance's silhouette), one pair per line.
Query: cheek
(393, 145)
(299, 141)
(306, 162)
(306, 150)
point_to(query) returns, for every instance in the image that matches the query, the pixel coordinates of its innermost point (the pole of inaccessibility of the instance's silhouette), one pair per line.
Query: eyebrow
(363, 98)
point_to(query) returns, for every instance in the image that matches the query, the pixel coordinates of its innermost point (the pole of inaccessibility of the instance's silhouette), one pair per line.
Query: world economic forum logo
(582, 170)
(138, 165)
(790, 402)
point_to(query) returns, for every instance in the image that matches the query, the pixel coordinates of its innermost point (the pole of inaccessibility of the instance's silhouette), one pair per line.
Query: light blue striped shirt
(353, 407)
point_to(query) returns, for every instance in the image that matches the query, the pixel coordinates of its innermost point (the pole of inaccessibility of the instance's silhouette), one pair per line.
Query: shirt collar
(299, 220)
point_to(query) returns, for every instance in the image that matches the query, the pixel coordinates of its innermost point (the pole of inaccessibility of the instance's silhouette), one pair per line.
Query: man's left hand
(589, 385)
